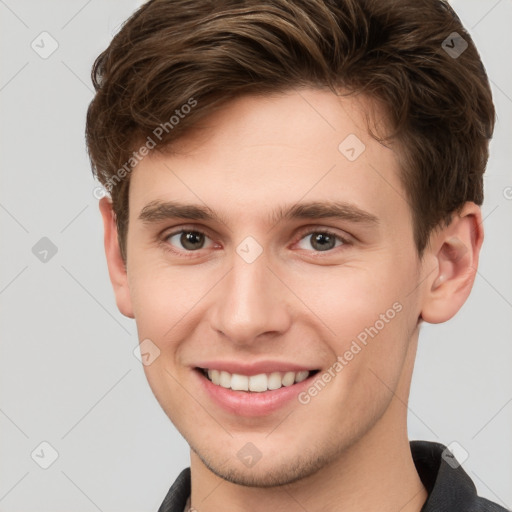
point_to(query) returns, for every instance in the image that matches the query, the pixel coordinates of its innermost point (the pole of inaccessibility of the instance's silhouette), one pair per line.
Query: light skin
(346, 450)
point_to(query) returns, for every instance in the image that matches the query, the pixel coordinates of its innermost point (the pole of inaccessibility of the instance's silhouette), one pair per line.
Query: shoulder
(449, 487)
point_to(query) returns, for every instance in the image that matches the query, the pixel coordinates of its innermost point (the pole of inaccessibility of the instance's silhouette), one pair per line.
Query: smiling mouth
(255, 383)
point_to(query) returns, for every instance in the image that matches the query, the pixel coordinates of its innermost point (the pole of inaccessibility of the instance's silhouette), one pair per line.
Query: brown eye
(187, 240)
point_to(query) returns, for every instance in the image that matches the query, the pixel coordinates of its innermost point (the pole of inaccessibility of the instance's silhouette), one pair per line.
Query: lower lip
(251, 404)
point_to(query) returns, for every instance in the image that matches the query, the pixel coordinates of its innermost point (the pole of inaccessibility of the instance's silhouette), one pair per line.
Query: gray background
(68, 375)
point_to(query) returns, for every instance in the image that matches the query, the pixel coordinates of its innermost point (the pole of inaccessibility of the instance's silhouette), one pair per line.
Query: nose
(250, 303)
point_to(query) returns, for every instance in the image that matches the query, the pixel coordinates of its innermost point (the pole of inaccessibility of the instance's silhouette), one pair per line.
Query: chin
(264, 474)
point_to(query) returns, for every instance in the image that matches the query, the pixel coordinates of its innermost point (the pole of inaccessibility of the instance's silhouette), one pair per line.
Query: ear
(116, 266)
(453, 254)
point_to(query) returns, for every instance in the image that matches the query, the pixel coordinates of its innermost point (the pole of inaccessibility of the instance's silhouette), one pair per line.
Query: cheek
(173, 397)
(162, 296)
(366, 316)
(351, 300)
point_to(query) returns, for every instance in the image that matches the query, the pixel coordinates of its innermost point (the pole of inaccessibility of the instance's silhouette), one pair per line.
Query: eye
(192, 240)
(187, 239)
(321, 241)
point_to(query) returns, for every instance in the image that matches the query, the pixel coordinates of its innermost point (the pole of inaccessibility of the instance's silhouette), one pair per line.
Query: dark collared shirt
(449, 487)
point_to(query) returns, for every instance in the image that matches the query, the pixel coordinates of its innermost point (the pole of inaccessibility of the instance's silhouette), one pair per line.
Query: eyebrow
(157, 211)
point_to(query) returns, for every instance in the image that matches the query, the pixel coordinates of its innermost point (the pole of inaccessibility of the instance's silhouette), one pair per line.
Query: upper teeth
(259, 383)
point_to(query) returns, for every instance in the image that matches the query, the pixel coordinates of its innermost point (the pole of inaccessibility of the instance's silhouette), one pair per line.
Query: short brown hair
(202, 53)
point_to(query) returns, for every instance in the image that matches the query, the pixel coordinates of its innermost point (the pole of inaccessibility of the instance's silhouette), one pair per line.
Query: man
(295, 187)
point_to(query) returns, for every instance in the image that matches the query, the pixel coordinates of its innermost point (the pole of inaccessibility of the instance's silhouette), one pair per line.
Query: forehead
(259, 152)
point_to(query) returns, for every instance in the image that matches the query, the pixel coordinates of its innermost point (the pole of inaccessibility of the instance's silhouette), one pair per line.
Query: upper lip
(253, 368)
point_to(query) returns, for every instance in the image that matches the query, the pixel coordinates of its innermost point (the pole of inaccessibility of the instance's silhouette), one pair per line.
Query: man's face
(254, 292)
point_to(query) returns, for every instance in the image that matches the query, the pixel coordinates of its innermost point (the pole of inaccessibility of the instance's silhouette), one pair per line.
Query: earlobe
(116, 266)
(454, 251)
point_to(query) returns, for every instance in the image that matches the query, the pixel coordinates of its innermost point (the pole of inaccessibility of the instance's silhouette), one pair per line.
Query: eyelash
(303, 234)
